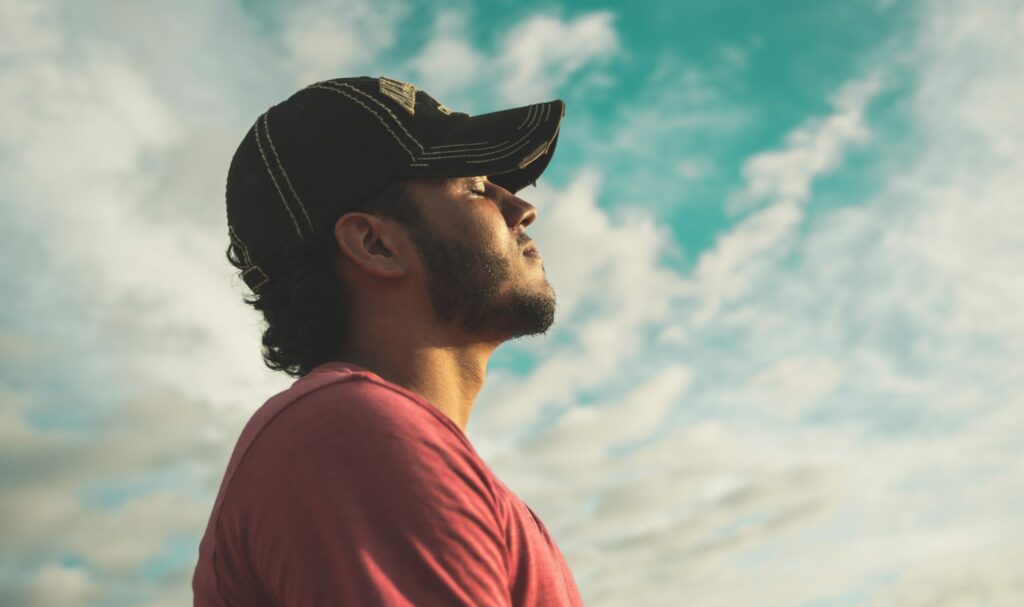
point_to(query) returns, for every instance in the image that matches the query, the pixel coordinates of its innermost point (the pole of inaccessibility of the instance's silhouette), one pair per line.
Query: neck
(447, 375)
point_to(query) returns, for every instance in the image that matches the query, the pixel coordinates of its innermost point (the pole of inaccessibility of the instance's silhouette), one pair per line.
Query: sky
(787, 365)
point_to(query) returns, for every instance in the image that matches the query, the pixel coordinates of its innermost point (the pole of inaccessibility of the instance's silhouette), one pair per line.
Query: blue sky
(786, 365)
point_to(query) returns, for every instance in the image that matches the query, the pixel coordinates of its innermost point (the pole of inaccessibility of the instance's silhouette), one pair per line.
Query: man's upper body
(347, 489)
(384, 241)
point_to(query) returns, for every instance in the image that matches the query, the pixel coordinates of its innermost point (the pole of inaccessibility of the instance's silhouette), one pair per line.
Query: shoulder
(361, 462)
(361, 442)
(360, 405)
(357, 423)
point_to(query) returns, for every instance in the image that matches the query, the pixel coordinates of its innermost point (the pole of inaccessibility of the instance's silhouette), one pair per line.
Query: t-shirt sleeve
(356, 495)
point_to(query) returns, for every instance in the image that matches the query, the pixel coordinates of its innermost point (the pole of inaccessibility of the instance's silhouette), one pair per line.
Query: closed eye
(479, 188)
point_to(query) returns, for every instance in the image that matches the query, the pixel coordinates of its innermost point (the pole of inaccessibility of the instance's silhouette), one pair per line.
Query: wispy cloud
(810, 151)
(327, 38)
(533, 59)
(449, 62)
(538, 55)
(853, 379)
(824, 407)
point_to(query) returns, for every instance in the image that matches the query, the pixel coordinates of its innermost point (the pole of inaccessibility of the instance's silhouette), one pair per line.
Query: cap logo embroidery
(403, 93)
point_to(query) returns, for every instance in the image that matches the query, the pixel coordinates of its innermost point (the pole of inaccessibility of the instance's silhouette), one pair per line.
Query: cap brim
(512, 147)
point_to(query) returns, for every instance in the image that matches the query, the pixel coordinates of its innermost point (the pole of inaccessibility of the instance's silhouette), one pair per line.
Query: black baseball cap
(311, 158)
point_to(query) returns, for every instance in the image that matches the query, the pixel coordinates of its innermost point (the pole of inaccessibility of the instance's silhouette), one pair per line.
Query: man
(384, 243)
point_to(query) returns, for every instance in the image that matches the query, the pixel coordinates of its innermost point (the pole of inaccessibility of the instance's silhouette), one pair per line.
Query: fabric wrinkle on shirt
(347, 489)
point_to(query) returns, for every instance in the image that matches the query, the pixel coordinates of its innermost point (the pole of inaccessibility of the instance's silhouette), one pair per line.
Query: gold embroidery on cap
(534, 155)
(402, 92)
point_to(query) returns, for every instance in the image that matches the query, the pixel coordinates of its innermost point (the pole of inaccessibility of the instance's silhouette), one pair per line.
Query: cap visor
(513, 147)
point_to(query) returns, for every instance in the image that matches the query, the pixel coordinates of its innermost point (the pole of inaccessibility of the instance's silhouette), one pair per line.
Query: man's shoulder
(356, 404)
(357, 427)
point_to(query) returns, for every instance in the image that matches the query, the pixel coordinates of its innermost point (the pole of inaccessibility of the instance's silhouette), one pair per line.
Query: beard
(465, 287)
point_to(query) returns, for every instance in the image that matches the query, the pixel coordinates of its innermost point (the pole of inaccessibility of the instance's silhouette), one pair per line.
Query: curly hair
(306, 309)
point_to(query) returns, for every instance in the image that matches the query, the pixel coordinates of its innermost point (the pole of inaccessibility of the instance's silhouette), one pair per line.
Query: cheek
(486, 229)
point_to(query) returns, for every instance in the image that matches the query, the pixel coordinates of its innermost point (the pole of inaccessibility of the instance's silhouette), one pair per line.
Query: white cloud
(115, 244)
(22, 30)
(540, 54)
(815, 148)
(449, 62)
(331, 38)
(742, 258)
(835, 400)
(608, 287)
(674, 128)
(788, 386)
(593, 430)
(56, 585)
(854, 408)
(534, 59)
(991, 580)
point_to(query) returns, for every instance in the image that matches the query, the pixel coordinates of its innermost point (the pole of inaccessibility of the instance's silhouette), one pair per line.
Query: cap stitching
(266, 163)
(379, 119)
(529, 112)
(459, 145)
(273, 148)
(517, 144)
(241, 245)
(477, 160)
(510, 152)
(456, 148)
(386, 109)
(497, 148)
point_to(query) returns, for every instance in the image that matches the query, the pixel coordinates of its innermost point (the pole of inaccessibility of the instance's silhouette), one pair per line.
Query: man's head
(468, 251)
(350, 175)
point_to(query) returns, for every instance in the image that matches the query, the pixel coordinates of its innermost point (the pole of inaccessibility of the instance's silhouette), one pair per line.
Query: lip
(531, 251)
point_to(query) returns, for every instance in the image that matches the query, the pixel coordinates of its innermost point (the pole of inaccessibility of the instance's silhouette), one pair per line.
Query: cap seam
(529, 113)
(287, 179)
(517, 143)
(498, 147)
(375, 114)
(266, 163)
(459, 145)
(506, 155)
(383, 106)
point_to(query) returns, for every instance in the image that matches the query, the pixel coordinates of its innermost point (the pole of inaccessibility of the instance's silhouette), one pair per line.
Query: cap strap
(257, 280)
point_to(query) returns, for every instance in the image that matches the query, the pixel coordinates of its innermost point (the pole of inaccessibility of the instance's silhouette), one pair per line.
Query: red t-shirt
(347, 489)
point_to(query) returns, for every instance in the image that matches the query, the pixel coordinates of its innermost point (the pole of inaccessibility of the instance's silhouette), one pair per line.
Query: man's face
(472, 246)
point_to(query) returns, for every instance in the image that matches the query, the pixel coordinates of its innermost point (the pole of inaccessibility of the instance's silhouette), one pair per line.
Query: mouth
(531, 251)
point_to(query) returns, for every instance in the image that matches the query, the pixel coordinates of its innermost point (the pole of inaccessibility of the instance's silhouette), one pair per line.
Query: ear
(372, 243)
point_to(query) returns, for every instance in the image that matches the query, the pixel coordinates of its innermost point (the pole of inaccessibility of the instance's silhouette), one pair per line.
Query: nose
(518, 213)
